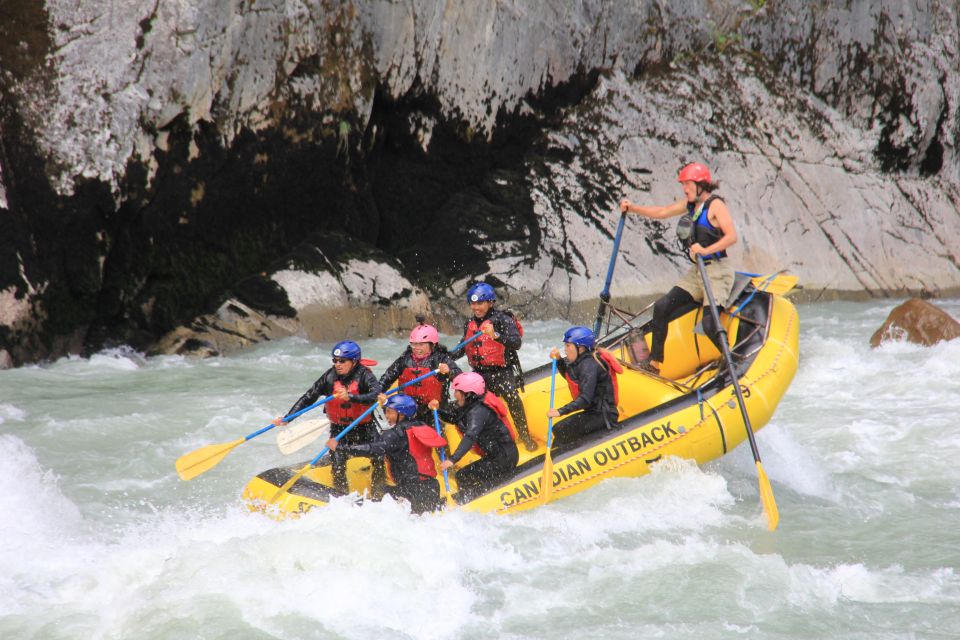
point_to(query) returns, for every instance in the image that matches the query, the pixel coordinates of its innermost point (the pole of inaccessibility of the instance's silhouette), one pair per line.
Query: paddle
(191, 465)
(766, 491)
(299, 474)
(605, 294)
(546, 482)
(443, 456)
(298, 436)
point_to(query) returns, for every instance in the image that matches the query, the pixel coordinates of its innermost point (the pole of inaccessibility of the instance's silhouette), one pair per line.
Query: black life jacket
(693, 228)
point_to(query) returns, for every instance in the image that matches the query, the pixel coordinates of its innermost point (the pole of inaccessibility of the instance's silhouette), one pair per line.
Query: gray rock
(833, 129)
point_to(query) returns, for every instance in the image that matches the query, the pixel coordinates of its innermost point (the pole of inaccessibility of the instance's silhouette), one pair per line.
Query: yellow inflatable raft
(689, 412)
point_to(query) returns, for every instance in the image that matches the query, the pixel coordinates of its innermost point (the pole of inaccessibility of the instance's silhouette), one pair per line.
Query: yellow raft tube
(689, 412)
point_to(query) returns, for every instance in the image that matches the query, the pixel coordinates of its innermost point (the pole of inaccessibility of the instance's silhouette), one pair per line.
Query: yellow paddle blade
(289, 483)
(766, 497)
(546, 482)
(192, 464)
(778, 285)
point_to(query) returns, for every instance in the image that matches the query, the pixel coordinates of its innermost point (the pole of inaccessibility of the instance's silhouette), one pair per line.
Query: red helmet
(470, 383)
(694, 172)
(424, 333)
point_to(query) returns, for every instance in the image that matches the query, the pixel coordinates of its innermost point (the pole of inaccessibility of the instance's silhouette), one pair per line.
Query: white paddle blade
(297, 435)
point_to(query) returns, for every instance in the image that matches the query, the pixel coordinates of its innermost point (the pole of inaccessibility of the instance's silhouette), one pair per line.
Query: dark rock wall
(159, 160)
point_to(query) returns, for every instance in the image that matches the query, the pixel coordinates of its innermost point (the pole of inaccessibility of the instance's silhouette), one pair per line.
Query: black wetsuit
(422, 491)
(501, 379)
(481, 426)
(438, 356)
(369, 388)
(595, 402)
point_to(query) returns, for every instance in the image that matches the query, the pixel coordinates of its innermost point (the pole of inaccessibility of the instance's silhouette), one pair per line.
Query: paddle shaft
(290, 417)
(364, 415)
(546, 482)
(443, 456)
(605, 294)
(728, 358)
(553, 390)
(347, 430)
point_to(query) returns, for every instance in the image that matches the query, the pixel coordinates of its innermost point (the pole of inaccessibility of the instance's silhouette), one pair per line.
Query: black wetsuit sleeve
(561, 367)
(386, 443)
(449, 412)
(505, 326)
(588, 377)
(369, 388)
(392, 373)
(466, 443)
(455, 370)
(321, 387)
(471, 425)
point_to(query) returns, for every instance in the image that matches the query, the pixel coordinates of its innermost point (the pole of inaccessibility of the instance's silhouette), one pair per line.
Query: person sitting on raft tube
(494, 356)
(485, 427)
(707, 230)
(408, 446)
(591, 376)
(425, 354)
(354, 388)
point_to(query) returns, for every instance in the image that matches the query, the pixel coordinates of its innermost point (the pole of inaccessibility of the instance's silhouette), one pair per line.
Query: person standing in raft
(424, 355)
(706, 229)
(494, 355)
(354, 388)
(482, 421)
(408, 447)
(592, 377)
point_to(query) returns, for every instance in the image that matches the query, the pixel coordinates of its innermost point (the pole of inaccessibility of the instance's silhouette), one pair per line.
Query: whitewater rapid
(100, 539)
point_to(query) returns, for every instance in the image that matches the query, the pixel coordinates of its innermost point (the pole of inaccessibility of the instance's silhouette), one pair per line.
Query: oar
(546, 482)
(465, 342)
(298, 436)
(192, 464)
(299, 474)
(766, 491)
(443, 456)
(605, 294)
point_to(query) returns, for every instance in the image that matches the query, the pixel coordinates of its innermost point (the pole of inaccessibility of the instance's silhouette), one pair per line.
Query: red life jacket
(424, 391)
(498, 406)
(614, 369)
(421, 441)
(485, 351)
(344, 411)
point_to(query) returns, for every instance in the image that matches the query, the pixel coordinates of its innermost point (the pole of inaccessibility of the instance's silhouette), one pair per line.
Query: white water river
(100, 539)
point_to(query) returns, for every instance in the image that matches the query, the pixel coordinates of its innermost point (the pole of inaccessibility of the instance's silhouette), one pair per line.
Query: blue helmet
(580, 336)
(346, 349)
(481, 292)
(402, 404)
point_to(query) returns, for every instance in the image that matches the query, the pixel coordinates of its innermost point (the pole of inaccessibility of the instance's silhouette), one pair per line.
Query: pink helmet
(694, 172)
(470, 383)
(424, 333)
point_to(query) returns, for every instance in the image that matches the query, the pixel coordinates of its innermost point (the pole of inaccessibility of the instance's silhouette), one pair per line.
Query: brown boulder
(918, 321)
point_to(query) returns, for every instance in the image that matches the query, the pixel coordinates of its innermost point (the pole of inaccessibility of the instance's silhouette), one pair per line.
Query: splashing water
(99, 539)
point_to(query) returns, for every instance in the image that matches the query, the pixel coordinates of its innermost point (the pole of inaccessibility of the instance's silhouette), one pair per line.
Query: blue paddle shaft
(345, 432)
(553, 388)
(289, 417)
(605, 294)
(436, 423)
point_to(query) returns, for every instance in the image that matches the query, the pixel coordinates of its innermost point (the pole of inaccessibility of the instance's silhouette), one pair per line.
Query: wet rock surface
(917, 321)
(163, 165)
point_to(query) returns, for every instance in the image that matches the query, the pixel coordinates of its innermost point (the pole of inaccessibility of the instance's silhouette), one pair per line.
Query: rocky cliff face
(231, 171)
